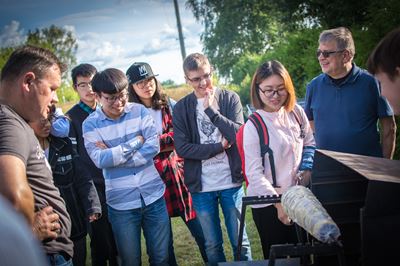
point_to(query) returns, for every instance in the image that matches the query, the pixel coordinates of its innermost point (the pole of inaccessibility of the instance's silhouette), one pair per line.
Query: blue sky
(110, 33)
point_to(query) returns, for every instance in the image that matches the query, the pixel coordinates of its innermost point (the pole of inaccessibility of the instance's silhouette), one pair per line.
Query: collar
(86, 107)
(351, 78)
(103, 116)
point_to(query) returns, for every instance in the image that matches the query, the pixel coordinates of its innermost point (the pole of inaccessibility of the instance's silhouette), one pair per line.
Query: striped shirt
(128, 167)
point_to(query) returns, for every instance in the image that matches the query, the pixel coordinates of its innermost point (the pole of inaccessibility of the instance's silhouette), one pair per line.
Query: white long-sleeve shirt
(287, 146)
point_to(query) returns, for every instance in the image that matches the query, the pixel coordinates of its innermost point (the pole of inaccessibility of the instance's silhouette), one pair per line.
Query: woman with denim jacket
(74, 183)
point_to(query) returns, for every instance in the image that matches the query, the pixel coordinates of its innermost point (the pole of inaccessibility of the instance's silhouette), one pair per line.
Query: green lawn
(186, 250)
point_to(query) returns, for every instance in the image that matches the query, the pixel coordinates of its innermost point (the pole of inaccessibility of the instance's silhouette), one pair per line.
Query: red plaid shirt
(170, 167)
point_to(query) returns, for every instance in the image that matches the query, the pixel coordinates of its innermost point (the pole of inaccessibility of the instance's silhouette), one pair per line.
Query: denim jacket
(75, 184)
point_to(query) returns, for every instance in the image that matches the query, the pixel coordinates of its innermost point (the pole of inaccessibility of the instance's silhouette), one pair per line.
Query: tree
(60, 41)
(5, 53)
(234, 27)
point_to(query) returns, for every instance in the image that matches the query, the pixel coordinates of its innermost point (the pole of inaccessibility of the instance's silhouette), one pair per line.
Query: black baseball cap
(139, 71)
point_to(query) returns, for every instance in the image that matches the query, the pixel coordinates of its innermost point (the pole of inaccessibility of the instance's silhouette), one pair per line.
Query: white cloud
(12, 35)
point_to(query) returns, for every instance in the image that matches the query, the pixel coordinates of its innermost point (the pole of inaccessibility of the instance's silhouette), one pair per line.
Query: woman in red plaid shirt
(144, 88)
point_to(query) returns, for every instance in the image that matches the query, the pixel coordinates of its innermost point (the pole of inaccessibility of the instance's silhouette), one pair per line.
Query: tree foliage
(60, 41)
(239, 35)
(226, 33)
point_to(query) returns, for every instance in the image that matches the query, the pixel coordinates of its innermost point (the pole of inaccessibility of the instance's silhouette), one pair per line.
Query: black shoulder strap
(262, 131)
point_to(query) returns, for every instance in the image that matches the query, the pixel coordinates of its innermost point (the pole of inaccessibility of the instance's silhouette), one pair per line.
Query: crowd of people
(127, 158)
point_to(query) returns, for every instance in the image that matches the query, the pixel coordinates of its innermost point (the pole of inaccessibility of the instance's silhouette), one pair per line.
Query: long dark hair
(159, 99)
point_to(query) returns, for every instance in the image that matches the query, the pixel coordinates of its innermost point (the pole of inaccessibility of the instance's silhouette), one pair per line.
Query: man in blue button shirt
(344, 103)
(121, 139)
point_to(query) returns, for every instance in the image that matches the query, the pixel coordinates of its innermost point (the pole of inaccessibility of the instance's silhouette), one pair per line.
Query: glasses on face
(121, 97)
(84, 85)
(143, 83)
(271, 93)
(197, 80)
(327, 54)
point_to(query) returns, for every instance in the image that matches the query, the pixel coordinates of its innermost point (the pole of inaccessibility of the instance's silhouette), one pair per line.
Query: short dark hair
(194, 61)
(30, 58)
(110, 81)
(83, 70)
(386, 55)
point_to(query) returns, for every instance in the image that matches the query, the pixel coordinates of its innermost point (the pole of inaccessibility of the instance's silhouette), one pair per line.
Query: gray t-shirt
(18, 139)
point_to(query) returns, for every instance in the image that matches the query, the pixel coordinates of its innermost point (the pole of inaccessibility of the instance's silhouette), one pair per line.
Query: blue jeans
(127, 224)
(207, 210)
(58, 260)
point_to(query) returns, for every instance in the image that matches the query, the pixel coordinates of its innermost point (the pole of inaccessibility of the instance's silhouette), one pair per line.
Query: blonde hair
(265, 71)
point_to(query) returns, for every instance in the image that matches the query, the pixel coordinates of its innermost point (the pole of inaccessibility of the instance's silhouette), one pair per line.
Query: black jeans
(79, 258)
(102, 243)
(271, 230)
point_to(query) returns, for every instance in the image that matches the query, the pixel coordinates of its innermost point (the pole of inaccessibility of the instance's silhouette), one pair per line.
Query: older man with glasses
(344, 104)
(121, 139)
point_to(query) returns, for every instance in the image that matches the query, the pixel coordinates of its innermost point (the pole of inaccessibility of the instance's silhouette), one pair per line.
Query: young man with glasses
(121, 139)
(205, 125)
(344, 103)
(102, 244)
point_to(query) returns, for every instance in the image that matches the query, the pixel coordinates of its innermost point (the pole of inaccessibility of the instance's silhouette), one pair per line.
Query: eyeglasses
(143, 83)
(111, 100)
(84, 85)
(271, 93)
(197, 80)
(327, 54)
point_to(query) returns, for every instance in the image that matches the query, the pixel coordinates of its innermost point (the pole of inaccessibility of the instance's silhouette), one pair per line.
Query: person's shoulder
(93, 117)
(9, 116)
(228, 92)
(183, 101)
(317, 79)
(366, 75)
(73, 110)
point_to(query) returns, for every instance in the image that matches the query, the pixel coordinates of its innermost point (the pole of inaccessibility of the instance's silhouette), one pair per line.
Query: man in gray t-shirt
(28, 83)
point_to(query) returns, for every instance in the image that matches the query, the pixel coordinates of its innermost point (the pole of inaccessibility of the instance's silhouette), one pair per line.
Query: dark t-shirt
(18, 139)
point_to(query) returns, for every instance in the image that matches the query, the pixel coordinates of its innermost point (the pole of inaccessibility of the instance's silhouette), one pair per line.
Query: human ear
(28, 79)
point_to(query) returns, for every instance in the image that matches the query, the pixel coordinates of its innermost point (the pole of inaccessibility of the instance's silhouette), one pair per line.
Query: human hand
(101, 145)
(93, 217)
(282, 216)
(303, 177)
(140, 138)
(46, 224)
(209, 99)
(225, 143)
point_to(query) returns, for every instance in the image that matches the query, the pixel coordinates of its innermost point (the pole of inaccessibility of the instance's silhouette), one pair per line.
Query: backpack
(262, 132)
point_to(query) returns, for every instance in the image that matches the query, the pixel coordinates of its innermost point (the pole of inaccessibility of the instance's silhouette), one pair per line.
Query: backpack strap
(299, 121)
(262, 131)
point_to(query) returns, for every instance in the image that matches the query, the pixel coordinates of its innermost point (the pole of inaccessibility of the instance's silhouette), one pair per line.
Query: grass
(186, 250)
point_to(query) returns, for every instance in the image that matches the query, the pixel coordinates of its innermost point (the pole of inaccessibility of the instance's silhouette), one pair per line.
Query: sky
(110, 33)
